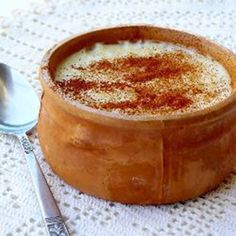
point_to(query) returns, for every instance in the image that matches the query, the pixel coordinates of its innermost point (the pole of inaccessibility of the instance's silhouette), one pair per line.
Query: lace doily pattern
(24, 39)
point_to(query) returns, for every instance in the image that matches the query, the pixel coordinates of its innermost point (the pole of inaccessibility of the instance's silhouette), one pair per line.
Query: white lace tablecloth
(23, 40)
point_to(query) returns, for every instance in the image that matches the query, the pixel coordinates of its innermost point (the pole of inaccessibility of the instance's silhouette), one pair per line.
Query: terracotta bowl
(143, 161)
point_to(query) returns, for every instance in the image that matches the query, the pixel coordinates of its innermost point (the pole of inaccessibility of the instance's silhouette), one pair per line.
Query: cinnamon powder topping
(150, 84)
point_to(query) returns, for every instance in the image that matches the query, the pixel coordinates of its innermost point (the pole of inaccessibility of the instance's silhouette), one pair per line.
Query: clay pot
(142, 161)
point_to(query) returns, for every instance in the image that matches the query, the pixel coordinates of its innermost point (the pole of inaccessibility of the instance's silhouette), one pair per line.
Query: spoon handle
(51, 214)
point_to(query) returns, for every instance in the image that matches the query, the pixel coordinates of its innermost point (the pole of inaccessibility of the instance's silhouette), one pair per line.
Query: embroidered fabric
(24, 38)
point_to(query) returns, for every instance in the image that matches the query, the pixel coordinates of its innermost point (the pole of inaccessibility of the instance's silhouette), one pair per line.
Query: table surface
(25, 35)
(10, 5)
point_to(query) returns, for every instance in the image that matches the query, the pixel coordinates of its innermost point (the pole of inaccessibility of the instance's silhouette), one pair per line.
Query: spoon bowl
(19, 105)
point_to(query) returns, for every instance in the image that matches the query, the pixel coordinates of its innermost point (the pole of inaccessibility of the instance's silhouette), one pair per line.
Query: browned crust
(148, 161)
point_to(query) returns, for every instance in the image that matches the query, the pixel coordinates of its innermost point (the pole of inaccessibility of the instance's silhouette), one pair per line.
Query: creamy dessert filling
(142, 78)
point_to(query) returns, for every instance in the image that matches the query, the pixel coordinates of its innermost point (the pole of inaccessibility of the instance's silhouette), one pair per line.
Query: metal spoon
(19, 108)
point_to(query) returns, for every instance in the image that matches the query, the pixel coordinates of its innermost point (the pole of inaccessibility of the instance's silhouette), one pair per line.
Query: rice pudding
(142, 78)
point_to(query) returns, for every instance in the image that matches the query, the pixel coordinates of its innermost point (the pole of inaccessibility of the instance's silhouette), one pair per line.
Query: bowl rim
(207, 114)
